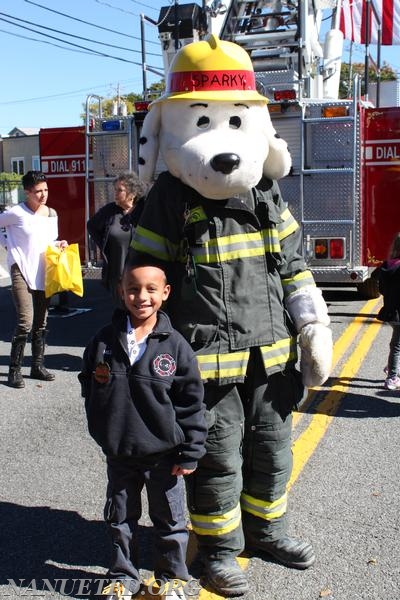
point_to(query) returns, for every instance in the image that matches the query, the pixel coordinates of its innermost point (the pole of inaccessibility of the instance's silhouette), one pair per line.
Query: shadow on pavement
(41, 543)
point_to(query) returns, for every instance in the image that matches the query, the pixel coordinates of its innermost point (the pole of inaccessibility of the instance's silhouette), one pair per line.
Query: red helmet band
(211, 81)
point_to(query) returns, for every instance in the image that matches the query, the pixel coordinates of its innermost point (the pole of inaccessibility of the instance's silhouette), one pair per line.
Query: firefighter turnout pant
(238, 492)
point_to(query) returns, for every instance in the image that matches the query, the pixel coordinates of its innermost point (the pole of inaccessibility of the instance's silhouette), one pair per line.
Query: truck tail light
(336, 248)
(321, 249)
(282, 95)
(329, 248)
(330, 112)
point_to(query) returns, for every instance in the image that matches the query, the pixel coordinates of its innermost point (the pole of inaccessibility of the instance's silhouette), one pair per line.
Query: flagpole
(367, 39)
(349, 88)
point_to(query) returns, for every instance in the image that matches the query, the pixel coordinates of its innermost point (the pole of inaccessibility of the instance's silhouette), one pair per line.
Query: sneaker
(392, 383)
(116, 590)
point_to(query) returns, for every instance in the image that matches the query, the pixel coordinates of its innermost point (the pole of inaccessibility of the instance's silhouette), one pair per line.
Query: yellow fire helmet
(211, 69)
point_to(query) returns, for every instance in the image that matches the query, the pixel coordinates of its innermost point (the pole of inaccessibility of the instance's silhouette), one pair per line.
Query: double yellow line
(307, 442)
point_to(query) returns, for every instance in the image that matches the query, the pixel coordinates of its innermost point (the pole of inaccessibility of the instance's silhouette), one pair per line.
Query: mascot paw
(316, 347)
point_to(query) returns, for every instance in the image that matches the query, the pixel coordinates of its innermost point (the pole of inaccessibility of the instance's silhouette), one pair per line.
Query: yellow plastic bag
(63, 271)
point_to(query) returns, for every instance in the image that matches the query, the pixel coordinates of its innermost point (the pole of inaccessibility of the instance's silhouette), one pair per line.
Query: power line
(57, 12)
(25, 37)
(146, 5)
(79, 37)
(128, 12)
(59, 95)
(95, 52)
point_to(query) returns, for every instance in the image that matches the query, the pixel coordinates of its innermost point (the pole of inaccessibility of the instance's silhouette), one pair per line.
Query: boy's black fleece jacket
(152, 407)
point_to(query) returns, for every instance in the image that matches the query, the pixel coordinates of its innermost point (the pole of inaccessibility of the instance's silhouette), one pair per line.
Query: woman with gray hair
(112, 226)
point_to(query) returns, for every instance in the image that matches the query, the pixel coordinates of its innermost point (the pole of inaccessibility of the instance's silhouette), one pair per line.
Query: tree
(124, 104)
(348, 71)
(9, 183)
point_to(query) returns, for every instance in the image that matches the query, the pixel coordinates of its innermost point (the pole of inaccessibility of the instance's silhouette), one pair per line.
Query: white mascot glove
(309, 312)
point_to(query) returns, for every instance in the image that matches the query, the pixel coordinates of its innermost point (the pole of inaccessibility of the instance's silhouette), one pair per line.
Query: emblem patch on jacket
(102, 372)
(164, 365)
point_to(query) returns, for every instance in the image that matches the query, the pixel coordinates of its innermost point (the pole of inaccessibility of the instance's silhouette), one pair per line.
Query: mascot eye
(235, 122)
(203, 122)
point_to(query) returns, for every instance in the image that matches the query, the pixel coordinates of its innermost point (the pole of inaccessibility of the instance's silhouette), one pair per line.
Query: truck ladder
(271, 32)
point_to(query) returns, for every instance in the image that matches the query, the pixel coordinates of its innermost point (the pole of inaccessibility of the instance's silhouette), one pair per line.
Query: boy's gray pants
(123, 509)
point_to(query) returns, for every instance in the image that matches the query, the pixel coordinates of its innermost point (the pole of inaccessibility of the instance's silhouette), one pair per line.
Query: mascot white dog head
(212, 127)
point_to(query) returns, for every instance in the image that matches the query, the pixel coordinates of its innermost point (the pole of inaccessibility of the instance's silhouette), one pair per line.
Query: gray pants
(394, 354)
(166, 498)
(31, 305)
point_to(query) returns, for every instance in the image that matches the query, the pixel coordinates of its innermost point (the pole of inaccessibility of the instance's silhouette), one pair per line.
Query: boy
(144, 405)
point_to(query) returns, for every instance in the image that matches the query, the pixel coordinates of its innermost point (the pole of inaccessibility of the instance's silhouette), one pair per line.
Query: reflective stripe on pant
(31, 305)
(167, 510)
(215, 489)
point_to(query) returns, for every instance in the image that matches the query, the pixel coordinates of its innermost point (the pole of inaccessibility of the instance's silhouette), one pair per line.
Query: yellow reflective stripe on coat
(156, 245)
(217, 366)
(289, 224)
(229, 247)
(216, 524)
(264, 509)
(237, 246)
(279, 353)
(298, 281)
(271, 240)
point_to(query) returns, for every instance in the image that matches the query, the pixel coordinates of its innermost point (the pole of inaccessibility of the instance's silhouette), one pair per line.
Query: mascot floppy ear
(278, 162)
(149, 143)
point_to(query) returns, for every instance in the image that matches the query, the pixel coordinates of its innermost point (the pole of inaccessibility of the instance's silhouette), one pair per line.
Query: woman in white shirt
(30, 227)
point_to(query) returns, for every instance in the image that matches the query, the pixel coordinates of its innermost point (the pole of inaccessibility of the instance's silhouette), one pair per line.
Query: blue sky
(45, 85)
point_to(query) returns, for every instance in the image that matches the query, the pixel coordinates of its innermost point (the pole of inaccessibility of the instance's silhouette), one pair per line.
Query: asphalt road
(345, 496)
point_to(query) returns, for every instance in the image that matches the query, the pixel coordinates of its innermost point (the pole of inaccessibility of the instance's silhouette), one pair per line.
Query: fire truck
(344, 186)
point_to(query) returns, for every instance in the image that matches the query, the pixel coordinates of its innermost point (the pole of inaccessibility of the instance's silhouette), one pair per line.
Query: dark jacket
(230, 264)
(388, 275)
(150, 408)
(98, 227)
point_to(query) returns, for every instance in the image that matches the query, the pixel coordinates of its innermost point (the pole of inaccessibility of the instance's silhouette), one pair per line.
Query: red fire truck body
(62, 154)
(380, 195)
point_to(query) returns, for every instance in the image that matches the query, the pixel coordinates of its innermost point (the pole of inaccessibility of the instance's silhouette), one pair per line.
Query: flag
(353, 19)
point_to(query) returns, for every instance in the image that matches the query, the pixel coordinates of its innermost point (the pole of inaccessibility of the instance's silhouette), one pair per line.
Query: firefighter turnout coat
(231, 264)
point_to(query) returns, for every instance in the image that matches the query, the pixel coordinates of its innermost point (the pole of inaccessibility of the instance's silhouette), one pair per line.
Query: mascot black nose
(226, 162)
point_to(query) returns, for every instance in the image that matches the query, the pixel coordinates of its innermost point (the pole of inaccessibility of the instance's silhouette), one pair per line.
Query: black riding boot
(15, 378)
(38, 370)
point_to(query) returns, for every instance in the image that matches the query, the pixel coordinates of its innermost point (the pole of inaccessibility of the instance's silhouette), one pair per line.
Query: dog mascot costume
(241, 295)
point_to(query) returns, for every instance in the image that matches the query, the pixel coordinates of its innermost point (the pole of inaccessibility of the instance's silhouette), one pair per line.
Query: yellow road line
(307, 442)
(339, 349)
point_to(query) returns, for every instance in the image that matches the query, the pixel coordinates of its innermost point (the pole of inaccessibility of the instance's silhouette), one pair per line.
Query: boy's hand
(178, 470)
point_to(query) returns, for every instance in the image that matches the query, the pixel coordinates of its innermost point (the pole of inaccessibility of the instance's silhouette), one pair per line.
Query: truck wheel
(368, 289)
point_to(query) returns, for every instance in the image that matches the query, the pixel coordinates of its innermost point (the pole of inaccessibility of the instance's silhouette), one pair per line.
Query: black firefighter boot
(15, 378)
(225, 576)
(38, 370)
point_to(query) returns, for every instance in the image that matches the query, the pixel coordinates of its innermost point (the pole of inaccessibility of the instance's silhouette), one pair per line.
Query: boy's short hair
(31, 178)
(135, 260)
